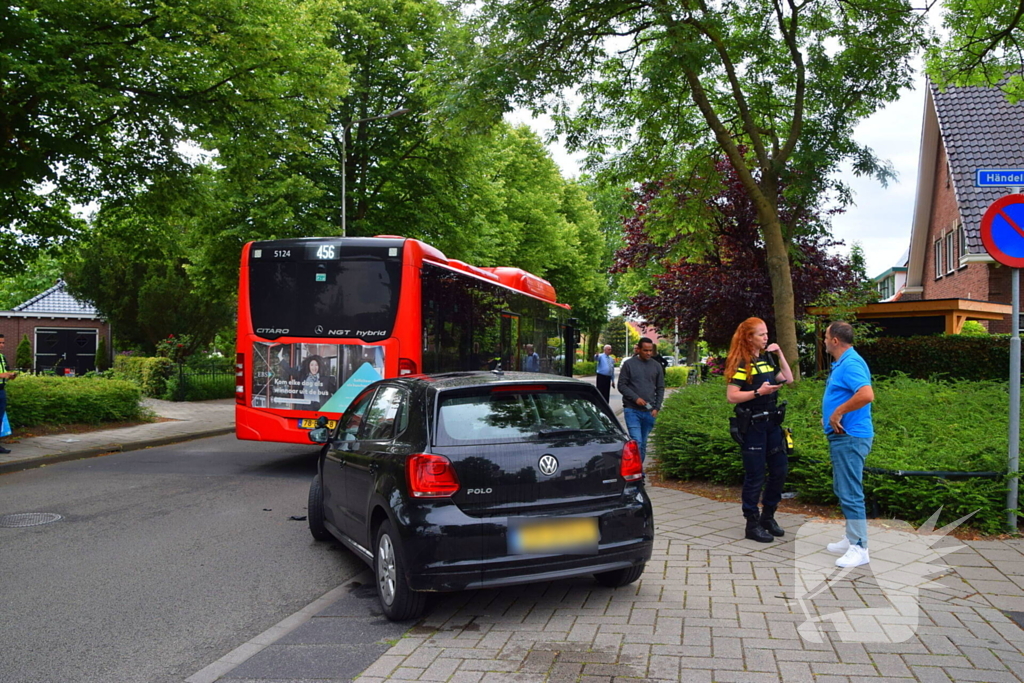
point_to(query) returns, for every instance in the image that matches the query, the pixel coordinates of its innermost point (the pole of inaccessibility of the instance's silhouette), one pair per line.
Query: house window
(962, 239)
(950, 255)
(938, 259)
(887, 287)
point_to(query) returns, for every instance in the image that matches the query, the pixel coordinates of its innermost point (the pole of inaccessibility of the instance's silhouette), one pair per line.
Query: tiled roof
(56, 301)
(980, 129)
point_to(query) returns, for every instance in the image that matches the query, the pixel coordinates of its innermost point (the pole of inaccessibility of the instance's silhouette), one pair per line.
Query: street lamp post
(344, 137)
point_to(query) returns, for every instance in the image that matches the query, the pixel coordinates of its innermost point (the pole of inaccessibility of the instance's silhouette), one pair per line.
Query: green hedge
(584, 367)
(151, 374)
(36, 400)
(949, 356)
(676, 375)
(919, 425)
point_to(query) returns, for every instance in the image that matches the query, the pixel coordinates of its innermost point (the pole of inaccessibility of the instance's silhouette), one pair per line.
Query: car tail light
(406, 366)
(240, 378)
(430, 476)
(632, 467)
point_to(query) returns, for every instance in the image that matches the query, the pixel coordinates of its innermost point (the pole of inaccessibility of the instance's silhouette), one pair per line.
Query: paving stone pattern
(713, 607)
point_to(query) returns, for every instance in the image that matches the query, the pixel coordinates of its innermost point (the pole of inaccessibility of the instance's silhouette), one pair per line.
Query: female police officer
(750, 373)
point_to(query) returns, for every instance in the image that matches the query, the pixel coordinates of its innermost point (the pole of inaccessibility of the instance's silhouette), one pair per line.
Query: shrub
(102, 362)
(150, 374)
(949, 356)
(23, 355)
(676, 375)
(919, 426)
(69, 400)
(200, 382)
(584, 367)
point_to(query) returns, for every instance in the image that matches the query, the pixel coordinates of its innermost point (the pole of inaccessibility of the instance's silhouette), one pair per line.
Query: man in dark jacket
(642, 385)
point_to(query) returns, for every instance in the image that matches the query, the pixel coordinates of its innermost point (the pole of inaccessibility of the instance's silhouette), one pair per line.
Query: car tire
(620, 577)
(315, 511)
(396, 599)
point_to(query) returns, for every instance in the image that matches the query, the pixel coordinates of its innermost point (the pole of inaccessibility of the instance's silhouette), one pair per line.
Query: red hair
(743, 348)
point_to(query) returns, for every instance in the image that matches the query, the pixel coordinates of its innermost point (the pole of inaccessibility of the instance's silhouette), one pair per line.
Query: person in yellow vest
(754, 382)
(4, 377)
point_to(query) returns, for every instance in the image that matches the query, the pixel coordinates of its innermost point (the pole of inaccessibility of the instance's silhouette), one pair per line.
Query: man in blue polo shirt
(846, 417)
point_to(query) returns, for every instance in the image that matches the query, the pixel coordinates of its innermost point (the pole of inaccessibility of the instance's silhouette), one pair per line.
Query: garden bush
(676, 375)
(584, 367)
(36, 400)
(151, 374)
(920, 425)
(949, 356)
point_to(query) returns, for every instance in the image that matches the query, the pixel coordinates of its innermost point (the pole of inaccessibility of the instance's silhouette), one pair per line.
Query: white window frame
(950, 253)
(938, 258)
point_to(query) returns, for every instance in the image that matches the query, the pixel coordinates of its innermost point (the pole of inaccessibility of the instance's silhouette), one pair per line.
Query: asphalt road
(165, 560)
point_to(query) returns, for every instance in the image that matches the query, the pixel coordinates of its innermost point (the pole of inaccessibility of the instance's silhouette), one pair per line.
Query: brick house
(964, 129)
(62, 330)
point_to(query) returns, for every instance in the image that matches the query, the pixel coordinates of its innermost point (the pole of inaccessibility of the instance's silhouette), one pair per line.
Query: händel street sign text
(999, 177)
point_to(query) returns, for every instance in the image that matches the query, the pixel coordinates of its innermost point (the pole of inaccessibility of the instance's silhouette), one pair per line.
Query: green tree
(983, 45)
(23, 354)
(100, 97)
(102, 361)
(134, 265)
(41, 273)
(776, 87)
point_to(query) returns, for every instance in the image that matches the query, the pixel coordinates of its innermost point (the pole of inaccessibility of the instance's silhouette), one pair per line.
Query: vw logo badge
(548, 465)
(319, 329)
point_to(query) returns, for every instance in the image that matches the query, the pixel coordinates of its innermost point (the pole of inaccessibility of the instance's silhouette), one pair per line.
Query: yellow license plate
(575, 535)
(310, 423)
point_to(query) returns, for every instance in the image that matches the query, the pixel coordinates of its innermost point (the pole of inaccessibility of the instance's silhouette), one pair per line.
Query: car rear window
(496, 415)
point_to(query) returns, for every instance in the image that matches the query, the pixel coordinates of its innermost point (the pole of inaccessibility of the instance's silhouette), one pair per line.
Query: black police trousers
(765, 466)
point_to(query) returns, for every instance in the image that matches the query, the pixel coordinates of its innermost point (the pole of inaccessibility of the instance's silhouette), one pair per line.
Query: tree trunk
(782, 289)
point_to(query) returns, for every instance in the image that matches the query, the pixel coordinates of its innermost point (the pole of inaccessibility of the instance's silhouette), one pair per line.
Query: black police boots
(755, 532)
(768, 522)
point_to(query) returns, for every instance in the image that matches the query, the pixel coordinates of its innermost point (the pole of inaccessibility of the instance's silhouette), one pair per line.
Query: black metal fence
(202, 382)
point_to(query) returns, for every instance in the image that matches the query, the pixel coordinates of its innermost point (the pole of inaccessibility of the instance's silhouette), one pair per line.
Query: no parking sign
(1002, 230)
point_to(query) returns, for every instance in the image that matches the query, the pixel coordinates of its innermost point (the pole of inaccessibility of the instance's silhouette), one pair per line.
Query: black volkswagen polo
(470, 480)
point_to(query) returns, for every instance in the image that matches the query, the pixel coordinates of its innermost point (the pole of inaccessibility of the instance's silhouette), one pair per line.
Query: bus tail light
(240, 378)
(406, 366)
(632, 467)
(430, 476)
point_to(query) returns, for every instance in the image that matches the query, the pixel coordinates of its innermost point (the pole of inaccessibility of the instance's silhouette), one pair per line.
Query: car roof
(463, 380)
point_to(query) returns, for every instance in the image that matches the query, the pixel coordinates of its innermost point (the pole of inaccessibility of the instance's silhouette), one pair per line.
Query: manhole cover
(28, 519)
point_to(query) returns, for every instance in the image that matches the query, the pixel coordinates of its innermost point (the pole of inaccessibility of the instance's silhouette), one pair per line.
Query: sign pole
(1013, 461)
(1002, 234)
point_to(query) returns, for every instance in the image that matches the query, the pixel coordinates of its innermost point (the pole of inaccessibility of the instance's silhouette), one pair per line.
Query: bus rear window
(349, 296)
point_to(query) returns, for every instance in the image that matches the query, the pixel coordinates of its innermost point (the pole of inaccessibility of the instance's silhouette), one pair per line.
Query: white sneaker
(839, 547)
(855, 556)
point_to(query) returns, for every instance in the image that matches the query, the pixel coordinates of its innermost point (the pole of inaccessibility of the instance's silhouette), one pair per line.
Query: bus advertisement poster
(312, 376)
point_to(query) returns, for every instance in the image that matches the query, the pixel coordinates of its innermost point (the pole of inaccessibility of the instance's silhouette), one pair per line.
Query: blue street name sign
(999, 177)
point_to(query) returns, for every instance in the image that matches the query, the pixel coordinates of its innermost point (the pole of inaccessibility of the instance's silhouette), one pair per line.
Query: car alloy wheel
(386, 570)
(397, 600)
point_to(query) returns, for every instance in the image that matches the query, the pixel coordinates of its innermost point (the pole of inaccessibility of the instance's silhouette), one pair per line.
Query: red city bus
(321, 318)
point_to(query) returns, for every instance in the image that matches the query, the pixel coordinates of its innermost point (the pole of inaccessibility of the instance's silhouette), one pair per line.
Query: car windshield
(508, 415)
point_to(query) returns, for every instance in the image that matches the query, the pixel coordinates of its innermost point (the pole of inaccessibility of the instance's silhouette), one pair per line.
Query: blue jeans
(848, 454)
(639, 424)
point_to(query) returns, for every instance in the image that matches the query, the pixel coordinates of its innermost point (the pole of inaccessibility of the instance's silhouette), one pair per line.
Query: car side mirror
(321, 421)
(320, 434)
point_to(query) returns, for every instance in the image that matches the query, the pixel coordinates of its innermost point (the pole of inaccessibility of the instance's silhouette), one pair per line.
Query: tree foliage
(101, 97)
(777, 87)
(983, 45)
(134, 265)
(710, 294)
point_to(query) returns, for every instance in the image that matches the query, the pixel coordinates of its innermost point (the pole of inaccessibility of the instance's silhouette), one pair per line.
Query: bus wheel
(315, 511)
(397, 600)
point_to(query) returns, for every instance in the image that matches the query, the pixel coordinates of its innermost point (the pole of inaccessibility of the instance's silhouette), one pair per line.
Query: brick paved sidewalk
(713, 607)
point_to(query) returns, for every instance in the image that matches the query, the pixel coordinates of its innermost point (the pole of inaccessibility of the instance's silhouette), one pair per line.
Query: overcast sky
(881, 217)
